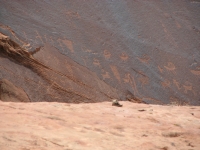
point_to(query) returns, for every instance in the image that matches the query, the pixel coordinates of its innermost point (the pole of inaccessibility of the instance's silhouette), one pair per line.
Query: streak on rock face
(115, 72)
(9, 92)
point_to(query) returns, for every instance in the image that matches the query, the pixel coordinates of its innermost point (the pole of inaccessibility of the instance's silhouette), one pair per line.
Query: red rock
(143, 50)
(9, 92)
(50, 126)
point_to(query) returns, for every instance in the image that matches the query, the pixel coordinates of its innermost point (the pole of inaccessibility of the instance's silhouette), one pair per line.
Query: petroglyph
(39, 37)
(188, 87)
(96, 62)
(160, 69)
(105, 75)
(166, 83)
(126, 78)
(115, 72)
(134, 86)
(177, 84)
(144, 59)
(107, 54)
(68, 44)
(195, 72)
(124, 56)
(170, 66)
(130, 79)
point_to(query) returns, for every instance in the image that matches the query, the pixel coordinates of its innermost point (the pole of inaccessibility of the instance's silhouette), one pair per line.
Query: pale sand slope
(99, 126)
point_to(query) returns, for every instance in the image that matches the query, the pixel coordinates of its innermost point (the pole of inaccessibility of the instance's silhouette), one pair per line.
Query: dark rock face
(50, 76)
(147, 50)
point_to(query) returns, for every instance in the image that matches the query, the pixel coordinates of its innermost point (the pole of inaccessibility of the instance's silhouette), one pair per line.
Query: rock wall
(145, 49)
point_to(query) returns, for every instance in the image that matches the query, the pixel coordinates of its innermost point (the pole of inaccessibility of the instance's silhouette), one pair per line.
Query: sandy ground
(98, 126)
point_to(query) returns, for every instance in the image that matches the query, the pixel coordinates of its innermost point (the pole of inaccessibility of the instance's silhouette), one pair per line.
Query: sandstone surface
(98, 126)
